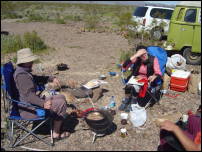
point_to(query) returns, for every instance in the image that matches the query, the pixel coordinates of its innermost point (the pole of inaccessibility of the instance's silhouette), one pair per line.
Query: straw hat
(25, 55)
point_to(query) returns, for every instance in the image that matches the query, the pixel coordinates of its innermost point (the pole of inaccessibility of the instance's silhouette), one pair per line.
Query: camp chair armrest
(25, 103)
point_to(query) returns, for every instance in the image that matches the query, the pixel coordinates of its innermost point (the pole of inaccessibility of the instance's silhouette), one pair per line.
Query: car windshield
(140, 11)
(161, 13)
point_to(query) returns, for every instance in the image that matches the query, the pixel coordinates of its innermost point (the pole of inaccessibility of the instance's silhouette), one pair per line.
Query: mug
(123, 132)
(185, 118)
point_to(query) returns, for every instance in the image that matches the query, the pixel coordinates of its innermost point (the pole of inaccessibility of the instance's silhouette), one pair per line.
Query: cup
(124, 116)
(185, 118)
(123, 132)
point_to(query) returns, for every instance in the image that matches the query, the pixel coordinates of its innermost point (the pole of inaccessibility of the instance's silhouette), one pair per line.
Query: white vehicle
(151, 18)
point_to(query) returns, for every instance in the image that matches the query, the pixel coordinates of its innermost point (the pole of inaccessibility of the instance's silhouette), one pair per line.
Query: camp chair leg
(11, 133)
(51, 131)
(148, 104)
(152, 96)
(30, 132)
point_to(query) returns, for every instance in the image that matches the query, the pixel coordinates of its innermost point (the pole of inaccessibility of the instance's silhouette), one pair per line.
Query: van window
(161, 13)
(140, 11)
(199, 17)
(180, 14)
(190, 16)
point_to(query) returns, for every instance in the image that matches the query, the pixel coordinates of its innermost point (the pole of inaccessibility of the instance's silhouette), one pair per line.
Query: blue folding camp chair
(16, 122)
(154, 92)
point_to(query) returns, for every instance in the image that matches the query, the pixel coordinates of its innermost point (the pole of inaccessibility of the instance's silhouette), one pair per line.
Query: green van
(184, 33)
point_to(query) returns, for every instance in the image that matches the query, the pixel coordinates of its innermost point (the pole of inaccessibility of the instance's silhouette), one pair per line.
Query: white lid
(123, 130)
(124, 116)
(181, 74)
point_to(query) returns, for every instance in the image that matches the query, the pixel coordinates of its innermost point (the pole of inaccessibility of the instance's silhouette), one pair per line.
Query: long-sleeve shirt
(143, 68)
(26, 85)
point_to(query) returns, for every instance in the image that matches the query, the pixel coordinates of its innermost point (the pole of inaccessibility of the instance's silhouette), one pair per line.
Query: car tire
(192, 58)
(156, 34)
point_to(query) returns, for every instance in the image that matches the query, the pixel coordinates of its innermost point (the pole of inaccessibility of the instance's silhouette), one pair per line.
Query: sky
(166, 2)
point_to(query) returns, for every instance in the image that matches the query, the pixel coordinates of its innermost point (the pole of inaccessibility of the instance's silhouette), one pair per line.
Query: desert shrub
(13, 43)
(33, 41)
(91, 21)
(35, 17)
(60, 20)
(124, 20)
(125, 55)
(73, 18)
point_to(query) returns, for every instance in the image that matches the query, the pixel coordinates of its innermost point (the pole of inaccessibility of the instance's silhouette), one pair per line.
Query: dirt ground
(89, 54)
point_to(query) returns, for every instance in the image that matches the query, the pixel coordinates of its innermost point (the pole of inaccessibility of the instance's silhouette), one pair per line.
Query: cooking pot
(102, 125)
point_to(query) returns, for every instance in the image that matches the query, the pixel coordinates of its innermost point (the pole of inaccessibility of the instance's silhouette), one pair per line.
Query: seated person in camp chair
(174, 137)
(144, 66)
(26, 84)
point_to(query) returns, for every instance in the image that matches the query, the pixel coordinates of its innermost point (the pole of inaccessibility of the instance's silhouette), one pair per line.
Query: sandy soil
(88, 55)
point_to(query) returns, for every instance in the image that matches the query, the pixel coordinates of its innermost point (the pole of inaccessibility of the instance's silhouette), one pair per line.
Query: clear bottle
(112, 102)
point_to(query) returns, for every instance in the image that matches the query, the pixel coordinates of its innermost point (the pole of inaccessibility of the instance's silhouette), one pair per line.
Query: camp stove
(95, 135)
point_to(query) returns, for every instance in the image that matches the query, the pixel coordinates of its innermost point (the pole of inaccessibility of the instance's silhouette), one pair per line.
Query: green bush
(91, 17)
(35, 17)
(73, 18)
(33, 41)
(60, 21)
(13, 43)
(125, 55)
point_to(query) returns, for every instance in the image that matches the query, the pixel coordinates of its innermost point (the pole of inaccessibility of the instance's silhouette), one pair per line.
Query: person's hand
(139, 53)
(152, 78)
(56, 82)
(47, 104)
(168, 125)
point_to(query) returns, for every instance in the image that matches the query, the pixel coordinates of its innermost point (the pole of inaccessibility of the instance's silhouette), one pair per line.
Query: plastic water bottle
(112, 102)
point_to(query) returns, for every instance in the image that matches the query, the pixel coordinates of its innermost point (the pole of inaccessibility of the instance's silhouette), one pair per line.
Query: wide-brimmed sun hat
(25, 55)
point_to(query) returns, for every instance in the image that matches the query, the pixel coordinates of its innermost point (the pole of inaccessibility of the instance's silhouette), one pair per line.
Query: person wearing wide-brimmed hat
(26, 84)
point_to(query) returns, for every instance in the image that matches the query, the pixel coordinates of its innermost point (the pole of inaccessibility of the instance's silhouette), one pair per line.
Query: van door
(187, 29)
(182, 27)
(196, 47)
(176, 23)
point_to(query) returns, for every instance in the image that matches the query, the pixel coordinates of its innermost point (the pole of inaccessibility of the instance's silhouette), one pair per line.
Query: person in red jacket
(145, 66)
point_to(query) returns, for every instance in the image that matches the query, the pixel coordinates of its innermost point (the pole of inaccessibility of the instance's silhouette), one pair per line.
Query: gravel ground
(88, 55)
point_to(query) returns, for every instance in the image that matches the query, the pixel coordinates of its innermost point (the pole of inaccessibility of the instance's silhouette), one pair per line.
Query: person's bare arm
(188, 144)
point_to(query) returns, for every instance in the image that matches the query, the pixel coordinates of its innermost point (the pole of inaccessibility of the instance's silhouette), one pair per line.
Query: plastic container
(179, 80)
(123, 132)
(112, 102)
(40, 112)
(179, 84)
(124, 116)
(112, 73)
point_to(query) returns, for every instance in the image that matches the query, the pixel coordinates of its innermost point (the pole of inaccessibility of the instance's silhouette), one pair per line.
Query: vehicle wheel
(156, 34)
(192, 58)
